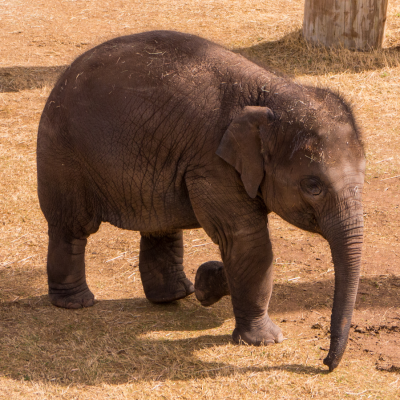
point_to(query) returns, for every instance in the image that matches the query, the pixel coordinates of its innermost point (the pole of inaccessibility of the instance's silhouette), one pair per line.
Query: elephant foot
(258, 335)
(210, 283)
(166, 285)
(161, 269)
(73, 299)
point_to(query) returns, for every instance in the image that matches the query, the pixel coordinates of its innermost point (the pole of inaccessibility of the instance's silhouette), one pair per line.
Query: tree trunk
(355, 24)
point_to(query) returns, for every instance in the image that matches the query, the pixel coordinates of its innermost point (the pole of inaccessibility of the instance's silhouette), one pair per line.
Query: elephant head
(306, 160)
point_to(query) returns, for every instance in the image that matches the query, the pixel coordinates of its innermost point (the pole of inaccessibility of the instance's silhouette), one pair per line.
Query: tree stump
(355, 24)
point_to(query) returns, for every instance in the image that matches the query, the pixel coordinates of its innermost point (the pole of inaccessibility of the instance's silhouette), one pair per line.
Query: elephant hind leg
(211, 283)
(71, 213)
(161, 269)
(66, 271)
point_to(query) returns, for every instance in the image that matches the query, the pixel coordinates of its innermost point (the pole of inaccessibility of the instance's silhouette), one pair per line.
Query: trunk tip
(331, 361)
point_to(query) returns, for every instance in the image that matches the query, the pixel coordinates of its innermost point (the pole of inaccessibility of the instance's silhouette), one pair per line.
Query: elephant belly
(151, 212)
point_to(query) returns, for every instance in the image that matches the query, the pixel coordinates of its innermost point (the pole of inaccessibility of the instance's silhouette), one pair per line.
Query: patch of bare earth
(125, 347)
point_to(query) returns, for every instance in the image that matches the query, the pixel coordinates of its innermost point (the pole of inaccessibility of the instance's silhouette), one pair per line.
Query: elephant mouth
(307, 221)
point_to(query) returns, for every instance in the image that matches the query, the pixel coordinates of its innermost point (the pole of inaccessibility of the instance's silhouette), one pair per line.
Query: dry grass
(124, 347)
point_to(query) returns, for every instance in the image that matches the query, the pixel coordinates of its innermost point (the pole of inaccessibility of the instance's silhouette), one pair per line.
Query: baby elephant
(163, 131)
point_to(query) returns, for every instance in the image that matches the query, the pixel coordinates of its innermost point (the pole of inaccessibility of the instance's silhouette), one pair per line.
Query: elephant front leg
(66, 272)
(248, 261)
(161, 269)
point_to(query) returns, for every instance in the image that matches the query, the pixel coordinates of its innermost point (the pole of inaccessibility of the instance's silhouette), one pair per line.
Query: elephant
(163, 131)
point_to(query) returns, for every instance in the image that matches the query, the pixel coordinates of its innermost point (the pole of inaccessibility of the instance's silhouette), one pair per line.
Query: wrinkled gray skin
(163, 131)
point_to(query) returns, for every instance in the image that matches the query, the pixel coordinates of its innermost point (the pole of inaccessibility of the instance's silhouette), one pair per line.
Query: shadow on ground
(293, 55)
(15, 79)
(373, 293)
(290, 54)
(118, 341)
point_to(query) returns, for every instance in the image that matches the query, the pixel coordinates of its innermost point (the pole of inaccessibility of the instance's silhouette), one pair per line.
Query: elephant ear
(241, 146)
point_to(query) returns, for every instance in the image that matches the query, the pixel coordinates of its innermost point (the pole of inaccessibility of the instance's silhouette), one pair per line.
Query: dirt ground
(125, 347)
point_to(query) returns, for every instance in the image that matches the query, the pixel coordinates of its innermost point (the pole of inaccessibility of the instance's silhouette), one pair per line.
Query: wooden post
(355, 24)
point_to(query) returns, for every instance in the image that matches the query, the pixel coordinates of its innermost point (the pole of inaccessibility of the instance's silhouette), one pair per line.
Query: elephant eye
(312, 186)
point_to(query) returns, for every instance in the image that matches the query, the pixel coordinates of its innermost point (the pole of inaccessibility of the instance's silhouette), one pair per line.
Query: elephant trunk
(345, 237)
